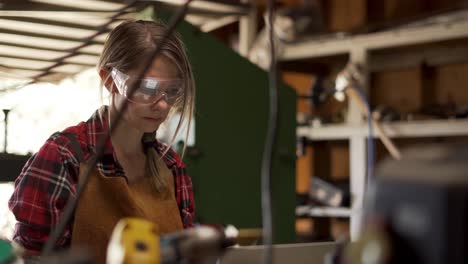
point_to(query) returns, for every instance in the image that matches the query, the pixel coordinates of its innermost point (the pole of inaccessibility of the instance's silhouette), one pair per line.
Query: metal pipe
(5, 119)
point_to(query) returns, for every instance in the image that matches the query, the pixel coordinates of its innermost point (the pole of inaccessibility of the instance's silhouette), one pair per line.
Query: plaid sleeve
(42, 189)
(183, 187)
(184, 195)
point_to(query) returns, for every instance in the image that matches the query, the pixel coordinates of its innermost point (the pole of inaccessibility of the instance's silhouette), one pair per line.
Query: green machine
(232, 104)
(7, 252)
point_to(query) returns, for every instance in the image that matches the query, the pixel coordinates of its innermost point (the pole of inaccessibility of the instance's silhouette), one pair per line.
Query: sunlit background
(45, 108)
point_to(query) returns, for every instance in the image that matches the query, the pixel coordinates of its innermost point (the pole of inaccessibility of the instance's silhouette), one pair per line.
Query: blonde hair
(127, 47)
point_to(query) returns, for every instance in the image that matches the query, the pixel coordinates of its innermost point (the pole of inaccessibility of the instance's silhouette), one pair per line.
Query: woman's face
(149, 116)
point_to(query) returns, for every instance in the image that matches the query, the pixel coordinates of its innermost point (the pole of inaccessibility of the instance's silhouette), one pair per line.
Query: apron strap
(76, 146)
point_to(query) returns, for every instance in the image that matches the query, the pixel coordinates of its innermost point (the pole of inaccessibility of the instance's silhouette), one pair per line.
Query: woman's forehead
(162, 67)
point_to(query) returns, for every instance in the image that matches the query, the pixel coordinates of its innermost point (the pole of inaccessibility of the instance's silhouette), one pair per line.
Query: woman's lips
(153, 119)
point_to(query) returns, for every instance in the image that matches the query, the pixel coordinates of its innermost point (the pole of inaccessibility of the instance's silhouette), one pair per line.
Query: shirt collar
(97, 129)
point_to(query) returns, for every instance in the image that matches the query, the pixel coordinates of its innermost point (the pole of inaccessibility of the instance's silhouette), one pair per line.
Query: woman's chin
(152, 124)
(149, 128)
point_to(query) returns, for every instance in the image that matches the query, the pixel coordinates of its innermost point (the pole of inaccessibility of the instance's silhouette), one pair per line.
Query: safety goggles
(148, 90)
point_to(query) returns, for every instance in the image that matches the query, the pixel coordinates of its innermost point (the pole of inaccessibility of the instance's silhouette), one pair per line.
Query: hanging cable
(370, 138)
(348, 81)
(71, 203)
(350, 78)
(266, 177)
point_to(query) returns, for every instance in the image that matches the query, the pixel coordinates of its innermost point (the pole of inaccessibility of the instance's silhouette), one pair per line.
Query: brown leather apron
(106, 200)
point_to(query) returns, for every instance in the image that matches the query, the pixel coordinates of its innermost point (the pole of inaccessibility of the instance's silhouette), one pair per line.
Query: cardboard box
(400, 89)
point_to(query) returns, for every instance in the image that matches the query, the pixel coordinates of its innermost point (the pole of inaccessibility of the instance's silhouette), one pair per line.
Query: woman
(137, 175)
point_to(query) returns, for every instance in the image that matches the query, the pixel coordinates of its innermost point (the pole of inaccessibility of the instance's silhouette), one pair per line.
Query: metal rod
(5, 119)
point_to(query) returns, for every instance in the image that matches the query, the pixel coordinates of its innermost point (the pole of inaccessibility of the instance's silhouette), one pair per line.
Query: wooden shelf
(400, 129)
(314, 211)
(364, 49)
(404, 36)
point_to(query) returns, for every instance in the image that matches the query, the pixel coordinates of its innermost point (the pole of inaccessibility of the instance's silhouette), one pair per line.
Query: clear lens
(151, 90)
(148, 90)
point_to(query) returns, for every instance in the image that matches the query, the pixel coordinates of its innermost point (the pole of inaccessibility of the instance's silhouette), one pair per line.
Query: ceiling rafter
(86, 41)
(36, 53)
(95, 5)
(38, 66)
(44, 29)
(46, 39)
(62, 14)
(42, 42)
(78, 61)
(70, 22)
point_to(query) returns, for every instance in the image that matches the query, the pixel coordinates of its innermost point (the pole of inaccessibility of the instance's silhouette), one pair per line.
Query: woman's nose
(161, 102)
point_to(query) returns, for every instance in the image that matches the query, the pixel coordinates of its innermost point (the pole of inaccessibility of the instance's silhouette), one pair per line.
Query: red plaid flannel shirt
(49, 179)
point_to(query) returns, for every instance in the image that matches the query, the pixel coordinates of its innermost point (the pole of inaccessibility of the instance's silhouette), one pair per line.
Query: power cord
(266, 177)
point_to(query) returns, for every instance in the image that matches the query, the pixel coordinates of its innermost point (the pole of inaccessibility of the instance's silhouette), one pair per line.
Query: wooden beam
(45, 55)
(24, 41)
(217, 23)
(406, 36)
(62, 14)
(208, 6)
(32, 6)
(39, 66)
(47, 30)
(448, 52)
(84, 4)
(51, 37)
(69, 22)
(84, 61)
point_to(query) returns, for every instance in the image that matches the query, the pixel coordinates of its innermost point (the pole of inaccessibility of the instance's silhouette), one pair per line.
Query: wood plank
(45, 55)
(21, 27)
(26, 41)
